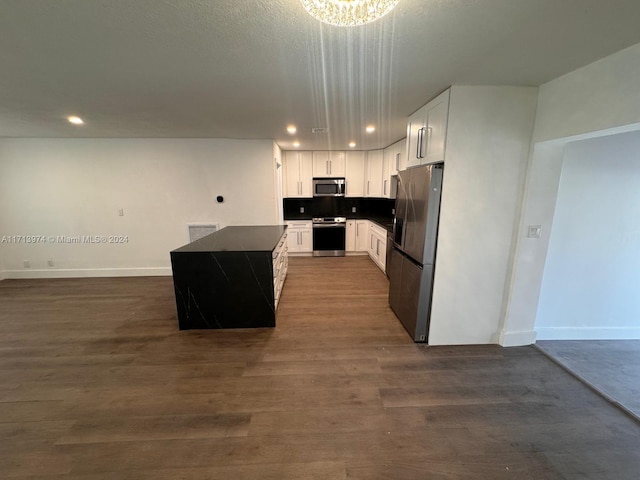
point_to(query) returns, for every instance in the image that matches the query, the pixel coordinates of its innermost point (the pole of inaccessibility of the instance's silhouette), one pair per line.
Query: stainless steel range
(329, 236)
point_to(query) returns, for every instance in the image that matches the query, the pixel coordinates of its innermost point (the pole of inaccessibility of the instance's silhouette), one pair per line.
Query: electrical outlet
(27, 264)
(353, 209)
(301, 209)
(50, 262)
(121, 212)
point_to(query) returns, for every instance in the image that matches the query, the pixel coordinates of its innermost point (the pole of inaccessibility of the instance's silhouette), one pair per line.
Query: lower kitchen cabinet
(377, 246)
(300, 237)
(357, 232)
(362, 231)
(350, 240)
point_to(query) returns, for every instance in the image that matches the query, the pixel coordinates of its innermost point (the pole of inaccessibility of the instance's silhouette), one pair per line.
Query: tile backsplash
(306, 208)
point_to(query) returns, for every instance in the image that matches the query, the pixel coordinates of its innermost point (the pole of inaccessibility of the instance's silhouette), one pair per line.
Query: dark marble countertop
(386, 223)
(261, 238)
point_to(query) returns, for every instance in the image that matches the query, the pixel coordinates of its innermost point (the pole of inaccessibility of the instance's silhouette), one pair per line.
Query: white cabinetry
(357, 235)
(355, 174)
(297, 174)
(401, 155)
(329, 164)
(362, 233)
(350, 240)
(391, 164)
(377, 245)
(373, 177)
(280, 266)
(300, 237)
(427, 132)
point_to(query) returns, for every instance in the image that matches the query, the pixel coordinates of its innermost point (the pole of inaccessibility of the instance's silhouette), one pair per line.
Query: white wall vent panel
(199, 230)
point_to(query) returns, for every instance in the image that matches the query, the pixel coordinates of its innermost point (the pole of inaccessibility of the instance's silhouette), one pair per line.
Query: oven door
(329, 239)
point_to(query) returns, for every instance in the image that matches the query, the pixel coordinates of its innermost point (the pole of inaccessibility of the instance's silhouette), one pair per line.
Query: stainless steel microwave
(329, 187)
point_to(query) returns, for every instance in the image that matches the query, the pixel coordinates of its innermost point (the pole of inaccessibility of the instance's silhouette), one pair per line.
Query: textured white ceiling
(247, 68)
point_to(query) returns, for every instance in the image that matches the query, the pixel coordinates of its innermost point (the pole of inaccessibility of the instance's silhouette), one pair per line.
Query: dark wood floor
(96, 382)
(612, 367)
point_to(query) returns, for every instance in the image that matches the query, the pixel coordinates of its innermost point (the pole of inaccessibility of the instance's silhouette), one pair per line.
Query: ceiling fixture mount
(370, 129)
(291, 129)
(348, 13)
(352, 144)
(75, 120)
(296, 144)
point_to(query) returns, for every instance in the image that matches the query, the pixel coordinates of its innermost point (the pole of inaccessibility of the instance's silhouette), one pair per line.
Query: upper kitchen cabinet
(373, 174)
(298, 174)
(401, 156)
(355, 174)
(329, 164)
(392, 162)
(427, 132)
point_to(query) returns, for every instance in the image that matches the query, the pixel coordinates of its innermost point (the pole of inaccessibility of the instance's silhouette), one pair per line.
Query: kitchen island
(231, 278)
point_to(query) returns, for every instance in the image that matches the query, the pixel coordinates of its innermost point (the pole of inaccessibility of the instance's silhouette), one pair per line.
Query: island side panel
(223, 289)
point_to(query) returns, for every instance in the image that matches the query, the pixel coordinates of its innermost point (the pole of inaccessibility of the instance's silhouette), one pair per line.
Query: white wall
(596, 97)
(592, 272)
(599, 99)
(487, 147)
(72, 187)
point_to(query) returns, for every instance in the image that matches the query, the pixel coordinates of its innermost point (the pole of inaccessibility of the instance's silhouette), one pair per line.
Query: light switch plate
(534, 231)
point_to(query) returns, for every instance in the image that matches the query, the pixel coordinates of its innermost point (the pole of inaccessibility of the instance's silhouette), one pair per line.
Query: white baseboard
(588, 333)
(88, 272)
(517, 339)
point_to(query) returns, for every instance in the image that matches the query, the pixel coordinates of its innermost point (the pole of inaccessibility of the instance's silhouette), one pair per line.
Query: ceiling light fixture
(370, 129)
(348, 13)
(75, 120)
(292, 129)
(352, 144)
(296, 144)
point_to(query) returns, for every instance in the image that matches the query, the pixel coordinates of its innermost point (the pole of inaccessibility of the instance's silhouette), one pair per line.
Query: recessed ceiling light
(352, 144)
(296, 144)
(291, 129)
(75, 120)
(370, 129)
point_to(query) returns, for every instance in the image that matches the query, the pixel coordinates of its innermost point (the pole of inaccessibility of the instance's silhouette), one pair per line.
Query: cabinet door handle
(357, 229)
(421, 142)
(397, 161)
(368, 181)
(384, 191)
(326, 167)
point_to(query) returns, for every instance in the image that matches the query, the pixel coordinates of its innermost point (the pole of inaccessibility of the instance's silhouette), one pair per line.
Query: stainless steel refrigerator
(415, 234)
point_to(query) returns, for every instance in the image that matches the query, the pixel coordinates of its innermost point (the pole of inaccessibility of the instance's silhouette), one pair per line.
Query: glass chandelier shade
(348, 13)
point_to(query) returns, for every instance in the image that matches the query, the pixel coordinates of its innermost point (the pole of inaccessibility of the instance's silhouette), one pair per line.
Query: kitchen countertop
(230, 278)
(261, 238)
(384, 222)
